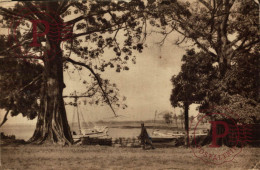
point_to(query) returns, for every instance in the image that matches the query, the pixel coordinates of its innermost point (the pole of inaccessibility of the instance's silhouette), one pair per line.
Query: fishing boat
(94, 132)
(161, 137)
(86, 129)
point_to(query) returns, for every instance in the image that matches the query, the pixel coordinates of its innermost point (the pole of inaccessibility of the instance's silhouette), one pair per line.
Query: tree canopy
(223, 29)
(227, 34)
(192, 84)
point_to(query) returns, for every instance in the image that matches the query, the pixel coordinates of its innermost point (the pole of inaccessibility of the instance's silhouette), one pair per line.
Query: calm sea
(26, 131)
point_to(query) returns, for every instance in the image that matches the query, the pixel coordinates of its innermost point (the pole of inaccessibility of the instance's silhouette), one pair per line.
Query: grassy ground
(101, 157)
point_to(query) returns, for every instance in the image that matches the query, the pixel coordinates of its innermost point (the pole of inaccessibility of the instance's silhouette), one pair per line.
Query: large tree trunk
(52, 125)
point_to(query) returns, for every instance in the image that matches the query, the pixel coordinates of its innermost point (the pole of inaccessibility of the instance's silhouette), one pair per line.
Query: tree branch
(206, 4)
(24, 87)
(34, 10)
(10, 12)
(5, 118)
(73, 21)
(93, 31)
(78, 96)
(97, 78)
(65, 8)
(243, 47)
(62, 5)
(33, 81)
(13, 14)
(165, 36)
(14, 47)
(198, 43)
(99, 29)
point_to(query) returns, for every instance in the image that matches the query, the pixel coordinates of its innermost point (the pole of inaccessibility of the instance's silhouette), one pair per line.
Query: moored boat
(159, 136)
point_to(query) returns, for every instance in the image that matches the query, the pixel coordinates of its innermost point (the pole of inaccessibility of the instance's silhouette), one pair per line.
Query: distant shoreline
(148, 127)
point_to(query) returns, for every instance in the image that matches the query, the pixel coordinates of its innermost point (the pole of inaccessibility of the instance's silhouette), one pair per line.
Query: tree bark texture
(52, 124)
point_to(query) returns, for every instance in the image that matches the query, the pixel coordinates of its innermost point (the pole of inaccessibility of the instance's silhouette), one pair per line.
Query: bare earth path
(100, 157)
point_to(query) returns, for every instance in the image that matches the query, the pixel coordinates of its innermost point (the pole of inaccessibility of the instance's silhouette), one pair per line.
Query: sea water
(26, 131)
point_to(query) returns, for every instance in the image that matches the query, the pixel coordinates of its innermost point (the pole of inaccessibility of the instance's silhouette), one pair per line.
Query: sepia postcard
(129, 84)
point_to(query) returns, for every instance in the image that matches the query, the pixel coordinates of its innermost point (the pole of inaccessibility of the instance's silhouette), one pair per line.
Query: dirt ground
(103, 157)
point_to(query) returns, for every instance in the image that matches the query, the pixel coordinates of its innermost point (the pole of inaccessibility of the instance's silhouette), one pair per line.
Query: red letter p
(35, 34)
(214, 132)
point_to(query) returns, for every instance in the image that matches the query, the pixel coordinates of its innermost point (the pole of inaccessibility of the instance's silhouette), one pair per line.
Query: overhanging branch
(95, 30)
(14, 14)
(29, 84)
(100, 29)
(34, 10)
(5, 118)
(62, 6)
(97, 78)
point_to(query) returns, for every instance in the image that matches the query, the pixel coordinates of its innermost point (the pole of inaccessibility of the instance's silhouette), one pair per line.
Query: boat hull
(91, 133)
(162, 139)
(96, 141)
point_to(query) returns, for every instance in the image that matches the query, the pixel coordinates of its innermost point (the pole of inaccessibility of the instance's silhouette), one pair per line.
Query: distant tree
(181, 118)
(176, 119)
(168, 118)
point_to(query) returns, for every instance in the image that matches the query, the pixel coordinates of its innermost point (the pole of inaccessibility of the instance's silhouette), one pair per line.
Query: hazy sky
(146, 85)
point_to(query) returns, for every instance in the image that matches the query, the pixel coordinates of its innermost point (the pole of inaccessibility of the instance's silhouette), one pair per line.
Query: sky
(146, 85)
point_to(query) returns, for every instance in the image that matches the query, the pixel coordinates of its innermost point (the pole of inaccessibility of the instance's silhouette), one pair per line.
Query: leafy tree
(241, 88)
(227, 32)
(19, 88)
(41, 29)
(193, 83)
